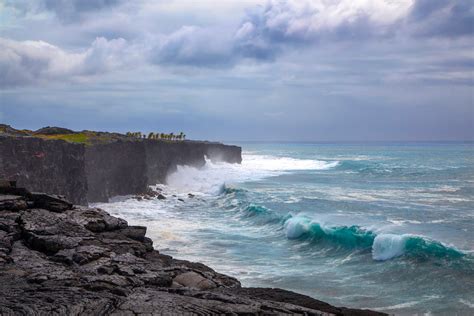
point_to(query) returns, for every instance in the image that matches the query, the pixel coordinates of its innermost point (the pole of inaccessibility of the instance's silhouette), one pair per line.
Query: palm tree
(151, 135)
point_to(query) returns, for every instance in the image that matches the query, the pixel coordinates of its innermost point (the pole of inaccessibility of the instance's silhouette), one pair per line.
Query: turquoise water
(381, 226)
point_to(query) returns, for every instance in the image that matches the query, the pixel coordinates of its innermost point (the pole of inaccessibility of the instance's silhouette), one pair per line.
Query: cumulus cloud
(278, 24)
(26, 62)
(309, 21)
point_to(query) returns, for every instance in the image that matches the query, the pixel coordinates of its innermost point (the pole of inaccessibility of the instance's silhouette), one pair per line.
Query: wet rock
(161, 197)
(149, 194)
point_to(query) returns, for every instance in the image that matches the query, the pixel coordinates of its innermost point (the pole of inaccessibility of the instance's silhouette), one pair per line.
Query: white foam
(296, 226)
(212, 176)
(467, 303)
(272, 163)
(398, 306)
(387, 246)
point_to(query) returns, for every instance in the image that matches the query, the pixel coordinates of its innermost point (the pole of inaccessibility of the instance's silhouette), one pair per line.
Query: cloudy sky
(298, 70)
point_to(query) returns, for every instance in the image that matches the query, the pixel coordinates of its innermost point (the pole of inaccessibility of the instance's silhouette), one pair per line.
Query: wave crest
(383, 246)
(347, 236)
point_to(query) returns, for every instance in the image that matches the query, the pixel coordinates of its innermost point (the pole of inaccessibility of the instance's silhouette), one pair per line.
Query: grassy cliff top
(56, 133)
(84, 137)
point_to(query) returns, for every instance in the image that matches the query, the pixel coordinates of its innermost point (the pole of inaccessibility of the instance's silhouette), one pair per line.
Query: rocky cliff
(92, 166)
(39, 165)
(60, 259)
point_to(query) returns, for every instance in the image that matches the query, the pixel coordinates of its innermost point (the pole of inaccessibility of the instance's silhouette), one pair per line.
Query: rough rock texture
(49, 166)
(116, 168)
(60, 259)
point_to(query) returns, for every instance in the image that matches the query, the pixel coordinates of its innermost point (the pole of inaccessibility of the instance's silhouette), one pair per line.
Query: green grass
(80, 138)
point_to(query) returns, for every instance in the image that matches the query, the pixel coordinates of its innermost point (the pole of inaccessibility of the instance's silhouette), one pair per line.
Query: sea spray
(210, 178)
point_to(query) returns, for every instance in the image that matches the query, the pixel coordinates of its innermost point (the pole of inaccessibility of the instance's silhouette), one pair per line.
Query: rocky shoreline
(60, 259)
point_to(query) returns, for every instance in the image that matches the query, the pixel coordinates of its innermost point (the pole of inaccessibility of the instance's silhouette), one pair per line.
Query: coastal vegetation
(162, 136)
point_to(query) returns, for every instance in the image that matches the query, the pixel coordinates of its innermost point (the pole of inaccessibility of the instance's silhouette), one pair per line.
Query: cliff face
(117, 168)
(98, 171)
(39, 165)
(128, 167)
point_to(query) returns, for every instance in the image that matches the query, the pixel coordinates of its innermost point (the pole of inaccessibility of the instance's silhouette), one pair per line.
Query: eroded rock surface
(60, 259)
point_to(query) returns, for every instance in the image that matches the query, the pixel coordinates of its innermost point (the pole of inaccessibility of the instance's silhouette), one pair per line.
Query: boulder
(54, 203)
(96, 220)
(135, 232)
(194, 280)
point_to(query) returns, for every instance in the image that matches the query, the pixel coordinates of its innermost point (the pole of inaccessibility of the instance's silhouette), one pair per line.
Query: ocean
(385, 226)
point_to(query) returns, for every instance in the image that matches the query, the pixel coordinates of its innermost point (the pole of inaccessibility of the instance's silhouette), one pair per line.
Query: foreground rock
(60, 259)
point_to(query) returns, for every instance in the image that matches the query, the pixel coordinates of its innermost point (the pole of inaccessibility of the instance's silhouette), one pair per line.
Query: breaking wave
(383, 246)
(211, 178)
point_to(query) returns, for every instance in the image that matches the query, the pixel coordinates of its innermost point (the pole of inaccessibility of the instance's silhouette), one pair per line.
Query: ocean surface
(381, 226)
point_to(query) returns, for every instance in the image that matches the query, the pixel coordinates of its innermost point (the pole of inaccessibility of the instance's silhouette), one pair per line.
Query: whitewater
(380, 226)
